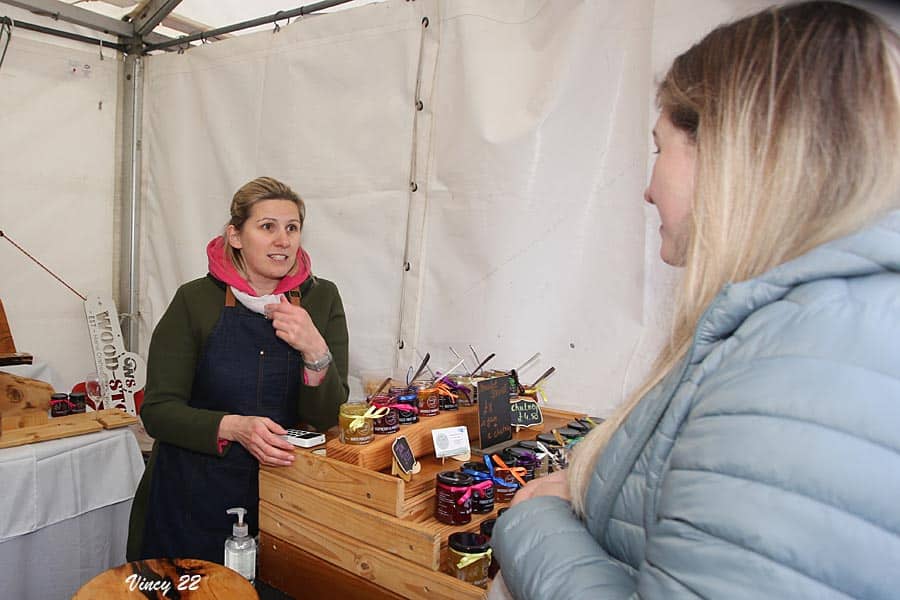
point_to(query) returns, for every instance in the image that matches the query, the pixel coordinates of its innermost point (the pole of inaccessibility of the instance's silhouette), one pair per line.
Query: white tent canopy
(526, 231)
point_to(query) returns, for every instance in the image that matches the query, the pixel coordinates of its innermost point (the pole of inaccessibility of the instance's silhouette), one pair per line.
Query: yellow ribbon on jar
(538, 392)
(373, 413)
(470, 559)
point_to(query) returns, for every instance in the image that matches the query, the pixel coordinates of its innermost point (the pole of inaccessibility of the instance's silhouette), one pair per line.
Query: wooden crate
(375, 529)
(377, 455)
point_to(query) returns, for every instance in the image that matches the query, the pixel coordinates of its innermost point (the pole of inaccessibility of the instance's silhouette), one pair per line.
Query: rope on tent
(41, 265)
(413, 167)
(7, 29)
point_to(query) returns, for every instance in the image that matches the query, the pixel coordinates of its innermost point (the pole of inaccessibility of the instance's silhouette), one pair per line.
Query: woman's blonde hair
(795, 113)
(261, 188)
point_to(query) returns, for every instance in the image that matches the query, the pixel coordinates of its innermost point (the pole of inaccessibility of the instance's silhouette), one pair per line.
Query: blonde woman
(253, 348)
(762, 458)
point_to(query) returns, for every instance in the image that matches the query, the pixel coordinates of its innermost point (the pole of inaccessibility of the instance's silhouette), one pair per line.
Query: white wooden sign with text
(121, 373)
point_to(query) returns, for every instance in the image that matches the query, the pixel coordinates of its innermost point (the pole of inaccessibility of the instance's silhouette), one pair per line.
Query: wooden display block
(377, 455)
(364, 486)
(374, 534)
(303, 575)
(68, 426)
(366, 560)
(25, 417)
(417, 537)
(21, 393)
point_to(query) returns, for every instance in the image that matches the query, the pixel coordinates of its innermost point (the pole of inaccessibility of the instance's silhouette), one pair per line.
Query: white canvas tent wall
(526, 233)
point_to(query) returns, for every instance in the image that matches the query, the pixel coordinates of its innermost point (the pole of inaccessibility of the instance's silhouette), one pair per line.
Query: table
(64, 511)
(186, 578)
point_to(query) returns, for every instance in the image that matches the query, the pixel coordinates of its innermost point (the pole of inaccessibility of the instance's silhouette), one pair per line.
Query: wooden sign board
(525, 412)
(494, 419)
(406, 460)
(121, 373)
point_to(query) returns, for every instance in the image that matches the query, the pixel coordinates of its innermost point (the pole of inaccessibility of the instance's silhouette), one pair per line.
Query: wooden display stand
(374, 534)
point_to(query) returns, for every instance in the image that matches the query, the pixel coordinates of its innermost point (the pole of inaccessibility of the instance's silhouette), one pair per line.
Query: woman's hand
(260, 436)
(554, 484)
(294, 325)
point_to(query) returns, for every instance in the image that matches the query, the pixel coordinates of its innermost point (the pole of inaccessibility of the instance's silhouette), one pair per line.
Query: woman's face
(268, 241)
(672, 188)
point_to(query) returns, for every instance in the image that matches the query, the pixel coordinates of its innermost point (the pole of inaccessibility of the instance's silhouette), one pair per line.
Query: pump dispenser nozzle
(240, 528)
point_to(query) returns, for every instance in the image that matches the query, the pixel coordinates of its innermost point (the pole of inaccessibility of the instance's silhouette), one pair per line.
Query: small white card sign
(121, 373)
(450, 441)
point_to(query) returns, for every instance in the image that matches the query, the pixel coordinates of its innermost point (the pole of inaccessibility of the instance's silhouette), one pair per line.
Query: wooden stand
(376, 533)
(168, 578)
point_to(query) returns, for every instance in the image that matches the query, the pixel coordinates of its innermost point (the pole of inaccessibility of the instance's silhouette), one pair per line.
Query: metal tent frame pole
(136, 38)
(282, 14)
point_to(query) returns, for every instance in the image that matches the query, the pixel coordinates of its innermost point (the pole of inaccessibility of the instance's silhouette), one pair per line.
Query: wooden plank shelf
(377, 455)
(61, 427)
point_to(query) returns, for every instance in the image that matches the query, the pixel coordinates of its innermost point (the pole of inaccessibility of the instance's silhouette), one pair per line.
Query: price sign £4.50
(525, 412)
(121, 373)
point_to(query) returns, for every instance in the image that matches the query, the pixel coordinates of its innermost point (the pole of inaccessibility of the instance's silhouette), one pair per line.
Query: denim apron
(244, 369)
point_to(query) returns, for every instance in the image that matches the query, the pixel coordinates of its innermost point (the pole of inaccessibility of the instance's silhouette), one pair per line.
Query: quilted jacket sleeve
(546, 552)
(783, 481)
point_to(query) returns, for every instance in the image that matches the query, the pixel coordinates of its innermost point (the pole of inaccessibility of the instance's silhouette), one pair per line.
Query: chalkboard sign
(525, 412)
(494, 424)
(404, 454)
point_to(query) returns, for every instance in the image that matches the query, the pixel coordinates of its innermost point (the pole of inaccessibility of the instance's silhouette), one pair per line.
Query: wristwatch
(321, 364)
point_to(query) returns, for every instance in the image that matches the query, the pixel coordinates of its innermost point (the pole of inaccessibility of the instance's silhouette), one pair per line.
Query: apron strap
(294, 296)
(229, 297)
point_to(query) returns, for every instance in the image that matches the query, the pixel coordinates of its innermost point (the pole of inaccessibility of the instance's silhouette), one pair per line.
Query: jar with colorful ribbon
(407, 405)
(482, 497)
(453, 498)
(390, 422)
(464, 388)
(429, 401)
(469, 558)
(507, 479)
(355, 420)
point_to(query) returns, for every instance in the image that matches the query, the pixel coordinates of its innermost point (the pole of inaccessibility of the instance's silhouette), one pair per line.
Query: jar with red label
(78, 402)
(59, 405)
(390, 422)
(453, 498)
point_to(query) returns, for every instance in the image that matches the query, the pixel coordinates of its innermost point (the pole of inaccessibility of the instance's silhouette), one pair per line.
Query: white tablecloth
(64, 512)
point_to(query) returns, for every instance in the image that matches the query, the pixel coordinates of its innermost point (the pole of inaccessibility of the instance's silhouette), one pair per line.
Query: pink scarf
(222, 269)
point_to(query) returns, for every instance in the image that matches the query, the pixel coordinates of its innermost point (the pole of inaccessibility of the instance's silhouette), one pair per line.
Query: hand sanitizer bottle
(240, 548)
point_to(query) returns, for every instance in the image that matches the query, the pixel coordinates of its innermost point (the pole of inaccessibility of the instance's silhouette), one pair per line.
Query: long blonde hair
(795, 113)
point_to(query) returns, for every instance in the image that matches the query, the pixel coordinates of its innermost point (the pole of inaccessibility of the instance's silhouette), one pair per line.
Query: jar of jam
(447, 401)
(429, 401)
(523, 458)
(356, 427)
(453, 498)
(504, 492)
(482, 497)
(77, 402)
(407, 405)
(487, 530)
(464, 388)
(469, 558)
(59, 405)
(390, 422)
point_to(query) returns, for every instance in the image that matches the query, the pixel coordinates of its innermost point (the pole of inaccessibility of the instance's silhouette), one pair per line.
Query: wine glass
(94, 390)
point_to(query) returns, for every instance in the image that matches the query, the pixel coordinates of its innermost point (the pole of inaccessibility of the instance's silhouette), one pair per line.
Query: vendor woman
(256, 346)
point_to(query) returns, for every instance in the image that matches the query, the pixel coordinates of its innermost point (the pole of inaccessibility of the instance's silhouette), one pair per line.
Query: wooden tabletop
(160, 578)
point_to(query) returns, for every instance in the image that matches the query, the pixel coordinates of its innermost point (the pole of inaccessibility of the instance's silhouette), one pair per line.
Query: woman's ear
(233, 235)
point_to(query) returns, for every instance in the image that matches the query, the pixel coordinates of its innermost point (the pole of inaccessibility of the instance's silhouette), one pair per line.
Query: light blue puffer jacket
(767, 465)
